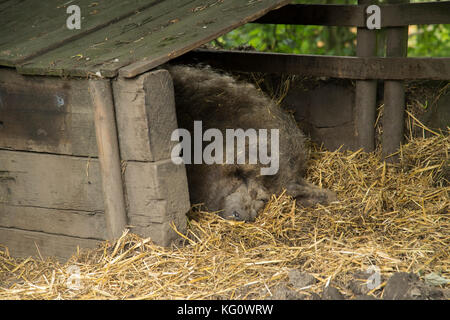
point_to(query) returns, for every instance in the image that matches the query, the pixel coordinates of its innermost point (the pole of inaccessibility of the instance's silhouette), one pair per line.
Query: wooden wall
(51, 196)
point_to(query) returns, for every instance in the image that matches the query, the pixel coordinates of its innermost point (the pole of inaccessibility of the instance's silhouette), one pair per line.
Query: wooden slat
(365, 90)
(31, 27)
(209, 24)
(22, 243)
(156, 190)
(150, 38)
(316, 14)
(392, 15)
(146, 116)
(55, 221)
(109, 157)
(46, 114)
(394, 95)
(4, 5)
(50, 181)
(397, 15)
(324, 66)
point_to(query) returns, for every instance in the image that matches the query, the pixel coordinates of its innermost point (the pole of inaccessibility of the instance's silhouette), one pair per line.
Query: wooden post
(109, 157)
(394, 93)
(366, 90)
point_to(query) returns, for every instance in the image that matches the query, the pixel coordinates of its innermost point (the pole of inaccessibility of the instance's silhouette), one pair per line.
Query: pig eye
(236, 214)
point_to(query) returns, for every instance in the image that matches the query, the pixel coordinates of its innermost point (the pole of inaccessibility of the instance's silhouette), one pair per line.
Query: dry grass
(395, 217)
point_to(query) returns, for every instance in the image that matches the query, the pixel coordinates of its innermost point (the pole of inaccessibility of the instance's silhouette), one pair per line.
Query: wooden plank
(365, 90)
(324, 66)
(30, 27)
(22, 243)
(55, 221)
(403, 14)
(394, 95)
(109, 157)
(157, 190)
(209, 25)
(157, 194)
(150, 38)
(146, 116)
(316, 14)
(4, 5)
(50, 181)
(161, 234)
(46, 114)
(392, 15)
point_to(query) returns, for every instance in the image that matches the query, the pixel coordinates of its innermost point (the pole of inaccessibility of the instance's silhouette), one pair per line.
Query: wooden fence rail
(392, 15)
(358, 68)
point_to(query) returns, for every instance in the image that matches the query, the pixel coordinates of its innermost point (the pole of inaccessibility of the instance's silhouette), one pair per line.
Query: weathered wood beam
(46, 114)
(316, 14)
(392, 15)
(66, 183)
(366, 90)
(24, 243)
(109, 157)
(394, 68)
(31, 28)
(394, 94)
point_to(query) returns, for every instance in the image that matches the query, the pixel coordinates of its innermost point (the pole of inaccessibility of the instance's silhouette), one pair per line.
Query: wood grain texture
(22, 243)
(156, 189)
(109, 157)
(50, 181)
(146, 116)
(395, 68)
(54, 221)
(30, 27)
(394, 94)
(365, 90)
(148, 38)
(46, 114)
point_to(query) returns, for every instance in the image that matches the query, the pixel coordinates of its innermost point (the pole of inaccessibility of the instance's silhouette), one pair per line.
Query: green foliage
(428, 40)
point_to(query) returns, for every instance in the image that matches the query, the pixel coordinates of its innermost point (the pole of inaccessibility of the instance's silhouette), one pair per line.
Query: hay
(395, 217)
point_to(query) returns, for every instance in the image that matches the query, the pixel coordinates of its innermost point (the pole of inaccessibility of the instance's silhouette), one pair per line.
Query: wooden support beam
(392, 15)
(358, 68)
(366, 90)
(394, 94)
(316, 14)
(109, 157)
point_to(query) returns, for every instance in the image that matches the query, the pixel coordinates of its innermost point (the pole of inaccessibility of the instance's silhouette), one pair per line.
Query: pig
(239, 191)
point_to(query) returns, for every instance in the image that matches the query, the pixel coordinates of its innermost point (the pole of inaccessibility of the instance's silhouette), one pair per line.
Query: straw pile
(395, 217)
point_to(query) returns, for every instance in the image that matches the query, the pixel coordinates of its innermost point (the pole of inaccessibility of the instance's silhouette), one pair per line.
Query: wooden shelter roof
(117, 37)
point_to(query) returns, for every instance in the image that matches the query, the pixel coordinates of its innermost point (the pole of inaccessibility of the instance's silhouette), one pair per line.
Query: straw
(392, 216)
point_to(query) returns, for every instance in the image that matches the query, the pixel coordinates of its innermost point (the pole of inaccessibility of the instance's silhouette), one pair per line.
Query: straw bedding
(394, 217)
